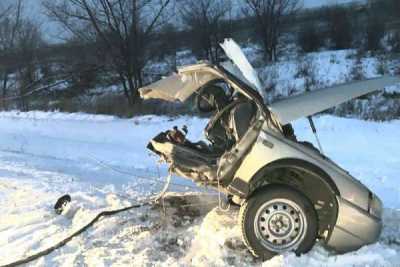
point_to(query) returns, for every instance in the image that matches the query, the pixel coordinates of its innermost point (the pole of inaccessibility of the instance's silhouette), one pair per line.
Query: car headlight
(375, 206)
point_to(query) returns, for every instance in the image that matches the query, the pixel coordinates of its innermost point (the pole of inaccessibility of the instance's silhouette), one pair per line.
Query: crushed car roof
(179, 86)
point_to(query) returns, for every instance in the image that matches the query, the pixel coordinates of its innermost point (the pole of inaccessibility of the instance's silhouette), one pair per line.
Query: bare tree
(207, 21)
(269, 15)
(120, 30)
(10, 23)
(375, 31)
(28, 42)
(394, 5)
(395, 38)
(310, 37)
(340, 27)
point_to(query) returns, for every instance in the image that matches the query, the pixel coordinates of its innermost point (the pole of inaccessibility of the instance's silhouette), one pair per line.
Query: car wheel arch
(308, 179)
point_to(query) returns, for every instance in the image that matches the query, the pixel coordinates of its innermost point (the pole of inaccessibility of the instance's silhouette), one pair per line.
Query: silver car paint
(354, 228)
(262, 155)
(355, 225)
(309, 103)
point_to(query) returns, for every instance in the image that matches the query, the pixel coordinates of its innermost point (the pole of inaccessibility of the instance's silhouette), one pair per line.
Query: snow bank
(58, 116)
(42, 159)
(374, 255)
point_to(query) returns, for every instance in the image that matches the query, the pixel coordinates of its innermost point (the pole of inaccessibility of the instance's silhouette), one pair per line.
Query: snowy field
(101, 160)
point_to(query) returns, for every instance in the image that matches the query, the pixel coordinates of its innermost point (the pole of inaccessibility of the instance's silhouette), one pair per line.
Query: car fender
(260, 178)
(271, 148)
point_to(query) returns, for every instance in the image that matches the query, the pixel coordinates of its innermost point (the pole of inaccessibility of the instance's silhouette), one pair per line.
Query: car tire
(277, 219)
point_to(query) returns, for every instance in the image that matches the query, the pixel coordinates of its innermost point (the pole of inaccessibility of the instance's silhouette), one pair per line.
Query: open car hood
(179, 86)
(310, 103)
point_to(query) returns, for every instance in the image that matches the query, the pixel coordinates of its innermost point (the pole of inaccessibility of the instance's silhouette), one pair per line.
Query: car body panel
(354, 228)
(177, 87)
(244, 70)
(310, 103)
(282, 148)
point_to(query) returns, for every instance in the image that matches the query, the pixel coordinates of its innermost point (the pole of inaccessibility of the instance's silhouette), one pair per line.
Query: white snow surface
(328, 67)
(45, 155)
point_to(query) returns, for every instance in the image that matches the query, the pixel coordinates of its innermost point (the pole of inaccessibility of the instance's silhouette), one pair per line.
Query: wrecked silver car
(291, 195)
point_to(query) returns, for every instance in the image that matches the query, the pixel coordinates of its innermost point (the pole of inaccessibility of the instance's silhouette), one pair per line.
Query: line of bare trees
(20, 39)
(124, 35)
(362, 27)
(113, 41)
(270, 17)
(120, 31)
(209, 23)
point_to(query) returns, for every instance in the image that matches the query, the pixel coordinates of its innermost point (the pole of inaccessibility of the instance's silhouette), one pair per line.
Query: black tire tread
(242, 211)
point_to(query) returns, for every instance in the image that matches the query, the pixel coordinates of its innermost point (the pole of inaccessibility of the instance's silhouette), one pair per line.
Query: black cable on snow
(69, 238)
(100, 215)
(91, 223)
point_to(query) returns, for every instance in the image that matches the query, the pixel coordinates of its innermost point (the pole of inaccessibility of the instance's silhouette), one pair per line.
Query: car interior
(230, 131)
(231, 117)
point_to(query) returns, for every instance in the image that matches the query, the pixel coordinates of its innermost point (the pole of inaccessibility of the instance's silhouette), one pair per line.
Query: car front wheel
(278, 219)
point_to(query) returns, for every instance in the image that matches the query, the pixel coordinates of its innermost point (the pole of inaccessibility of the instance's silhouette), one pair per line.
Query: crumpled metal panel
(177, 87)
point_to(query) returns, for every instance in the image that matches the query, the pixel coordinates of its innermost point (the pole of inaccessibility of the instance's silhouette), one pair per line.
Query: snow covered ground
(101, 160)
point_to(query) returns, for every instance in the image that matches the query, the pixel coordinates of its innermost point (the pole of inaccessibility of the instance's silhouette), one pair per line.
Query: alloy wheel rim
(280, 225)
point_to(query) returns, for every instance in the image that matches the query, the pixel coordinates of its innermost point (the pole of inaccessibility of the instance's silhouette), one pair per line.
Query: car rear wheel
(278, 219)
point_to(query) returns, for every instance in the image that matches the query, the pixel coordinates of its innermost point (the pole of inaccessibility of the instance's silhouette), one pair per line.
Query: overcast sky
(52, 31)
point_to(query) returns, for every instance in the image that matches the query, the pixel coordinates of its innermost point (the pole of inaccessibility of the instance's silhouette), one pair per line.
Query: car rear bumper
(354, 228)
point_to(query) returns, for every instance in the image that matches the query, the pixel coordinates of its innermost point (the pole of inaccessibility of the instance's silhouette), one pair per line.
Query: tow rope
(87, 226)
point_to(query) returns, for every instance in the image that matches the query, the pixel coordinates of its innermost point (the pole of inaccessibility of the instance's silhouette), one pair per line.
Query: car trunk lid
(310, 103)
